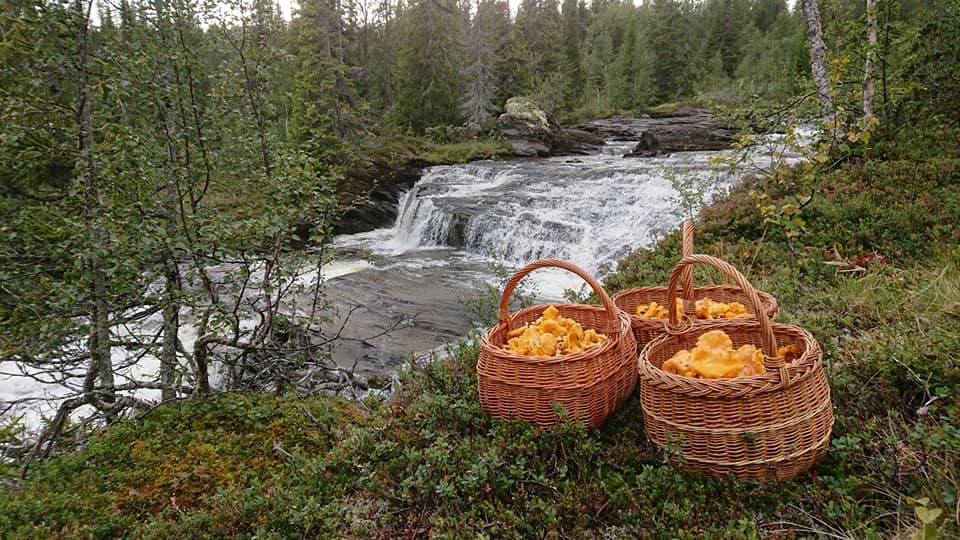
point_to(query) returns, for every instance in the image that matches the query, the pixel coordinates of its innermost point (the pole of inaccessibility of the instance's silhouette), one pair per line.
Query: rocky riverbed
(397, 309)
(531, 132)
(685, 130)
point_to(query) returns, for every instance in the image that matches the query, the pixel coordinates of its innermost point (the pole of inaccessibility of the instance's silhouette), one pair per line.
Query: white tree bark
(869, 87)
(818, 57)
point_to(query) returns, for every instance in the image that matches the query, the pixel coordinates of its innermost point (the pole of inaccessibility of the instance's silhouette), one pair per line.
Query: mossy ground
(429, 463)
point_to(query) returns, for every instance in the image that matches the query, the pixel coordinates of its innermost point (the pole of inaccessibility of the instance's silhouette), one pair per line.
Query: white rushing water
(589, 210)
(41, 391)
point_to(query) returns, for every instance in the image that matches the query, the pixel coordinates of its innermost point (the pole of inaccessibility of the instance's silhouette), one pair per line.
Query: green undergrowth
(461, 152)
(874, 275)
(398, 151)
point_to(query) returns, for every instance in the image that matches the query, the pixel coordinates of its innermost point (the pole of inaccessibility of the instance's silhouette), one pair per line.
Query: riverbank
(873, 272)
(389, 165)
(398, 292)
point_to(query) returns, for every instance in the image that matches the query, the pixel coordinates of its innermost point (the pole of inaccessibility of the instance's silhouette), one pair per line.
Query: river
(459, 222)
(402, 292)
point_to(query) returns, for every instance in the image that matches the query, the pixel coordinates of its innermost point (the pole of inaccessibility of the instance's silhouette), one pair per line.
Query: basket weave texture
(763, 427)
(646, 330)
(589, 385)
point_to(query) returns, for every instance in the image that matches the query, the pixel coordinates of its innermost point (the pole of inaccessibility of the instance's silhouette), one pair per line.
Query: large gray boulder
(527, 128)
(530, 131)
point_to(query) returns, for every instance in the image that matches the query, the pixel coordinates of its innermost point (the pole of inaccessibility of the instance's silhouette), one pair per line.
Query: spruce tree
(427, 77)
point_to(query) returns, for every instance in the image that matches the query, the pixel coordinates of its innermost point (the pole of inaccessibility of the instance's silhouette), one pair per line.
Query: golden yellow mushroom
(551, 335)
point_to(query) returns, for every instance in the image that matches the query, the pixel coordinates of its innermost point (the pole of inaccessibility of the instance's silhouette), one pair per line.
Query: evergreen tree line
(456, 63)
(419, 64)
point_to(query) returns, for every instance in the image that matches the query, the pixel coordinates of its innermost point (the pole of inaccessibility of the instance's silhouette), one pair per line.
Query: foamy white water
(589, 210)
(44, 392)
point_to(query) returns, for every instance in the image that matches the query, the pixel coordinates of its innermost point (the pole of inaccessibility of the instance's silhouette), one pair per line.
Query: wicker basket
(588, 384)
(770, 426)
(646, 330)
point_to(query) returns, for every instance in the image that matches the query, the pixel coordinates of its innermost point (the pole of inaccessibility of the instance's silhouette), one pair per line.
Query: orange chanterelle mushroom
(708, 309)
(552, 335)
(715, 358)
(654, 310)
(704, 309)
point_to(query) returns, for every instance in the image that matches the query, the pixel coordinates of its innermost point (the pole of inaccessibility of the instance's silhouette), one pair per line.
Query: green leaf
(927, 515)
(949, 495)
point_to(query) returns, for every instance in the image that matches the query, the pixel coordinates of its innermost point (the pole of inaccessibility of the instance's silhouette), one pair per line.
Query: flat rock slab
(688, 129)
(390, 314)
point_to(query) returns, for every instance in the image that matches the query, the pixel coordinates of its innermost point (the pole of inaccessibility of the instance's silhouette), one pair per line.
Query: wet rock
(527, 128)
(648, 146)
(682, 130)
(385, 316)
(372, 194)
(575, 141)
(531, 132)
(457, 233)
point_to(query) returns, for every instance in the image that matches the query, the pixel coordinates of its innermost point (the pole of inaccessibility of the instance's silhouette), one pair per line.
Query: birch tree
(869, 86)
(818, 59)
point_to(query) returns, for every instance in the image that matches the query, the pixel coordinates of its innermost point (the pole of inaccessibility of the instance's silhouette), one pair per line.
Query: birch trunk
(171, 326)
(818, 57)
(869, 87)
(170, 125)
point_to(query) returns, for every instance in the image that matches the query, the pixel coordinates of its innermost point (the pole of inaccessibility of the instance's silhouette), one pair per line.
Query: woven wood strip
(686, 249)
(770, 426)
(767, 461)
(741, 332)
(757, 430)
(589, 385)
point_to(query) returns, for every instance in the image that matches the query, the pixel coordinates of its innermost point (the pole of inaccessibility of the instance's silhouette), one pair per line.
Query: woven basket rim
(612, 339)
(776, 367)
(799, 369)
(769, 302)
(590, 384)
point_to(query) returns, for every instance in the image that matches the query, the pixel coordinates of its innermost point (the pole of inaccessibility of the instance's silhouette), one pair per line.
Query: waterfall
(589, 210)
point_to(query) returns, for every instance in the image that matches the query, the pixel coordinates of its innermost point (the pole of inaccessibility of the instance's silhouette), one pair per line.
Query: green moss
(463, 152)
(669, 108)
(528, 110)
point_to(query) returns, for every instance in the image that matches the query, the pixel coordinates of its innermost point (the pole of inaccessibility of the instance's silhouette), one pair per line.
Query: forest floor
(872, 270)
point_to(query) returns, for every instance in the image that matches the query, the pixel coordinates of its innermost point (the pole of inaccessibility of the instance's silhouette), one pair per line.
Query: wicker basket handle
(686, 238)
(771, 360)
(503, 315)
